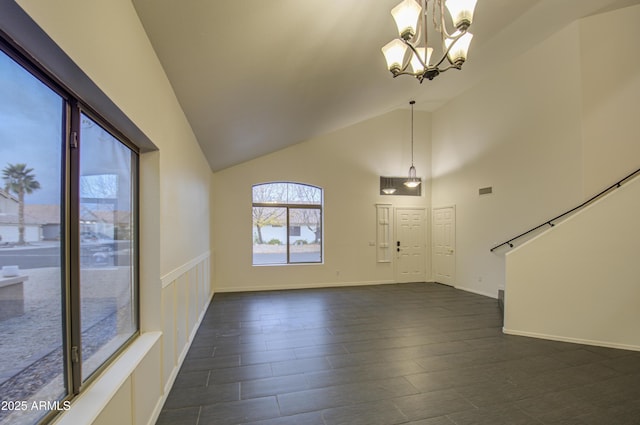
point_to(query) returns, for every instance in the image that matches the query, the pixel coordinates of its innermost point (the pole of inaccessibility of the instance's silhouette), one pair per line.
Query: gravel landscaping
(31, 343)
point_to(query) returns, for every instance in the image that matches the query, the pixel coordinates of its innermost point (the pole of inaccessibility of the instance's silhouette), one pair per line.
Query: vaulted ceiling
(255, 76)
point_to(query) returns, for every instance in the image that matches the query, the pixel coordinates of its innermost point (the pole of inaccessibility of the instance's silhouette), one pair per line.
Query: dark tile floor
(421, 354)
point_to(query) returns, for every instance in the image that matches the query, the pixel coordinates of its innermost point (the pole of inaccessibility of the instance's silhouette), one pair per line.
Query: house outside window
(287, 223)
(68, 242)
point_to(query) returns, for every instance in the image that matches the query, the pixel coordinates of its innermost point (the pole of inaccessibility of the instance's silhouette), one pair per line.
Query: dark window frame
(73, 107)
(288, 207)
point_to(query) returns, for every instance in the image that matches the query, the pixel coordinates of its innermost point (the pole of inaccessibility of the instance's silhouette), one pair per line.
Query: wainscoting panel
(186, 293)
(170, 355)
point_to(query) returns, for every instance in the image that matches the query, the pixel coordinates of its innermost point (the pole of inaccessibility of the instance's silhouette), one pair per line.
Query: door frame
(426, 245)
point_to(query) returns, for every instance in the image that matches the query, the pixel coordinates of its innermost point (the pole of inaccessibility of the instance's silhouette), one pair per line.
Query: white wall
(518, 132)
(610, 97)
(580, 280)
(107, 41)
(346, 164)
(548, 131)
(576, 282)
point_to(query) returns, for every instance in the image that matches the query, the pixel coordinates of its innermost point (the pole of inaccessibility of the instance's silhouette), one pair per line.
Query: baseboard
(606, 344)
(474, 291)
(257, 288)
(156, 412)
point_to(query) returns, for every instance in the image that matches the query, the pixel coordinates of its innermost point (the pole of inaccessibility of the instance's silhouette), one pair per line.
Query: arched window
(287, 223)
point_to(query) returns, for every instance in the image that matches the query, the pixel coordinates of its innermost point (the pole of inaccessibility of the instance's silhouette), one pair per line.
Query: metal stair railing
(551, 223)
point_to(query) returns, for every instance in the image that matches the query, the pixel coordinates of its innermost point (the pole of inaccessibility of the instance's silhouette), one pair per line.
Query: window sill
(288, 264)
(87, 406)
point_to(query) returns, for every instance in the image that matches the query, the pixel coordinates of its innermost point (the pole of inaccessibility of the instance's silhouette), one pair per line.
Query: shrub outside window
(287, 223)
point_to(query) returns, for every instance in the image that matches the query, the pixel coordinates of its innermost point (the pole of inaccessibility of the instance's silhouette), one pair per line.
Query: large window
(287, 223)
(68, 244)
(107, 272)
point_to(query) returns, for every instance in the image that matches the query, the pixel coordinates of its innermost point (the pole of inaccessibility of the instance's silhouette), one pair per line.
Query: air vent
(485, 190)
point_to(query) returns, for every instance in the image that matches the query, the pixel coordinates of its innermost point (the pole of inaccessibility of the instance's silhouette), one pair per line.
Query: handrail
(582, 205)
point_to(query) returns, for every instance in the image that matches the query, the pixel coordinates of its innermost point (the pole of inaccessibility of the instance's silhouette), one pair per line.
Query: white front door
(444, 241)
(410, 245)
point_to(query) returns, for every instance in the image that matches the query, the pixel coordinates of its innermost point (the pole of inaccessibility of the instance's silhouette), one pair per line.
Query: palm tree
(20, 180)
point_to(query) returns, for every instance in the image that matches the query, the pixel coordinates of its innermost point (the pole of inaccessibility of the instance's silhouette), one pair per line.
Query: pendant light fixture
(413, 180)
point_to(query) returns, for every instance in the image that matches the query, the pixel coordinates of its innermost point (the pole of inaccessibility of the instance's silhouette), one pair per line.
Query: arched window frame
(296, 208)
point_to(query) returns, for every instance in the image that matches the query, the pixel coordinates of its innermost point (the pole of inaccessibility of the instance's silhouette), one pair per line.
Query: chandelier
(412, 49)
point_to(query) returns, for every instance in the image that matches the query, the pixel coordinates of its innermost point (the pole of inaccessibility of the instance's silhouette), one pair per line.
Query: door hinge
(73, 140)
(74, 355)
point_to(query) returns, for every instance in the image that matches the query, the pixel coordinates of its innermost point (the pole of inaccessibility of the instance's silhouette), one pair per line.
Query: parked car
(88, 236)
(96, 249)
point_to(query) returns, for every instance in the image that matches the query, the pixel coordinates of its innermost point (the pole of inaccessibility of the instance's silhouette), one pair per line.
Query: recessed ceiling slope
(254, 77)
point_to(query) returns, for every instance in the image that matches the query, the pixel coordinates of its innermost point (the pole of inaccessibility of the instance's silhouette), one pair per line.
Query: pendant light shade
(461, 12)
(458, 46)
(394, 52)
(406, 15)
(412, 181)
(420, 60)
